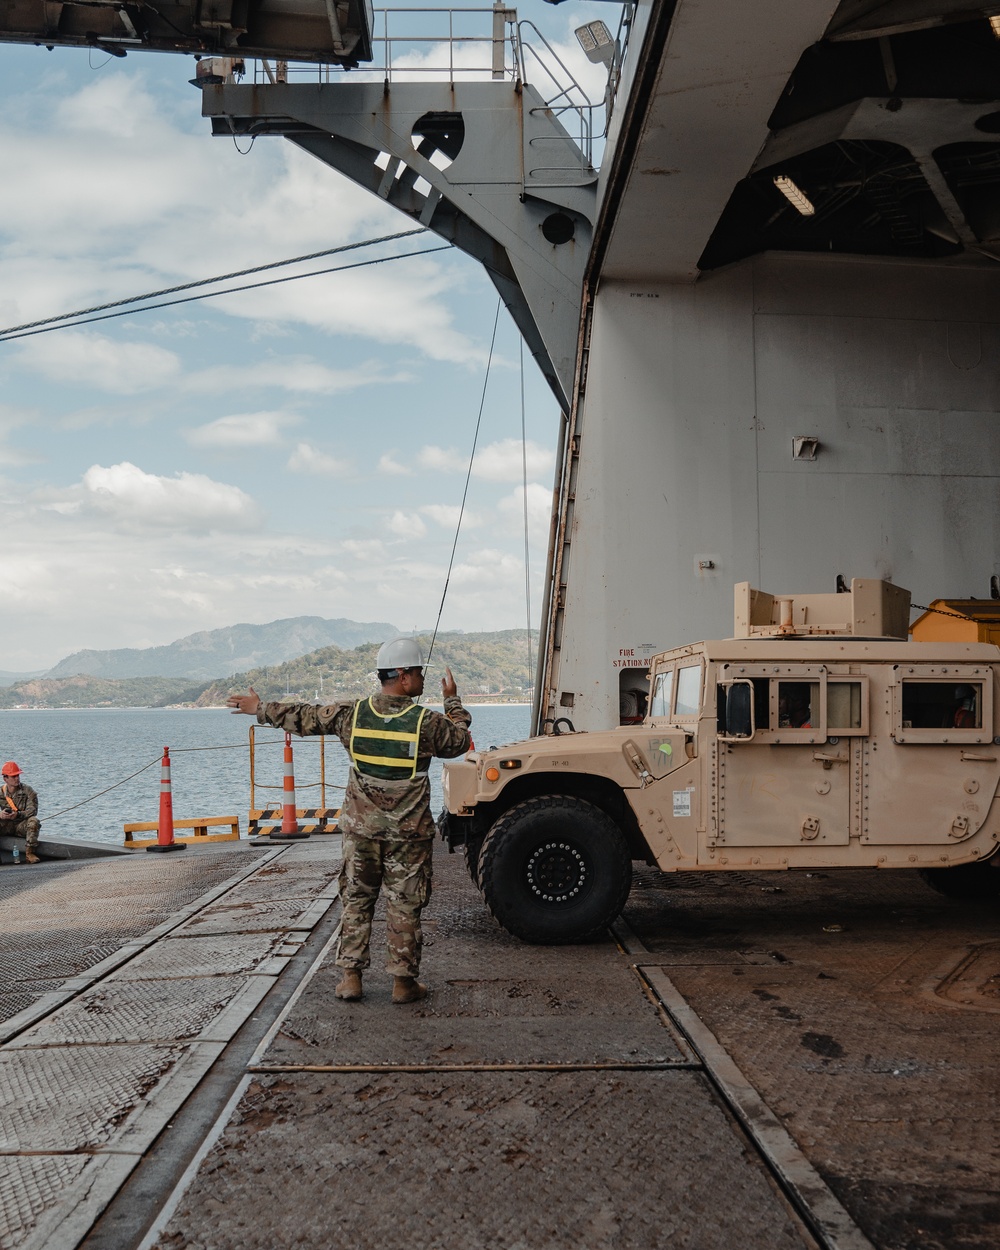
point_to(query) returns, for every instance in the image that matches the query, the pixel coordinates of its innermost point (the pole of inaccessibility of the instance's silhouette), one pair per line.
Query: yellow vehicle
(817, 737)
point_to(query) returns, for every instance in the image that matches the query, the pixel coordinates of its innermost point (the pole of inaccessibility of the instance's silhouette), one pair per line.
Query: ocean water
(70, 755)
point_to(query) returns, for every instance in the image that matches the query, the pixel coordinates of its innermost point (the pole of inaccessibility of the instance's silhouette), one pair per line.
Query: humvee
(817, 737)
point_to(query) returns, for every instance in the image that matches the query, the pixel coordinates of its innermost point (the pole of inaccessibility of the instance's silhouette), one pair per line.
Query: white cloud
(502, 461)
(308, 459)
(446, 459)
(249, 429)
(497, 462)
(392, 467)
(368, 549)
(12, 418)
(406, 525)
(186, 501)
(446, 515)
(75, 357)
(298, 374)
(511, 507)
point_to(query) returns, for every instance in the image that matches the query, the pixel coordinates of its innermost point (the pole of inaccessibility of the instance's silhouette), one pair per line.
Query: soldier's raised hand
(245, 703)
(448, 687)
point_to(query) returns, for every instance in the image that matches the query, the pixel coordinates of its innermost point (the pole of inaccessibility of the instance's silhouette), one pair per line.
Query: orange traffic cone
(165, 831)
(289, 817)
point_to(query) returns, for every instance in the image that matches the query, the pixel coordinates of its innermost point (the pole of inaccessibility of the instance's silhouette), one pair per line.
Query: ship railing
(472, 44)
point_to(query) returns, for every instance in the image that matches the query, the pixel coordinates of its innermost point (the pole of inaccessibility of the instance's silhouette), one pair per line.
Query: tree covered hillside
(484, 664)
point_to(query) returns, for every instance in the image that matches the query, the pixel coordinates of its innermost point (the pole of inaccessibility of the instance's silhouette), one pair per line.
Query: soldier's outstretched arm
(304, 719)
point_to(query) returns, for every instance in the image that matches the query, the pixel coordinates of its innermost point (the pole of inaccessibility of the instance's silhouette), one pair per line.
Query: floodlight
(595, 39)
(798, 199)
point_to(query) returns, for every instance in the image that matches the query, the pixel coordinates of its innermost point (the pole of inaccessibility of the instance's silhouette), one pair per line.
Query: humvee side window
(798, 704)
(689, 690)
(942, 705)
(790, 708)
(663, 689)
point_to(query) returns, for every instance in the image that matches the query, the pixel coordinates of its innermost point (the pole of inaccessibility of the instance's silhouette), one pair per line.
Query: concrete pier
(756, 1061)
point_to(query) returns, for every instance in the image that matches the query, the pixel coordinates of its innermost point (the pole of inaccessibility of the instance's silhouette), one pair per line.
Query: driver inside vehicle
(794, 711)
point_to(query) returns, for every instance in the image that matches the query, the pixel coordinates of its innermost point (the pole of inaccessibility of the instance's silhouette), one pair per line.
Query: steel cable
(232, 290)
(222, 277)
(468, 478)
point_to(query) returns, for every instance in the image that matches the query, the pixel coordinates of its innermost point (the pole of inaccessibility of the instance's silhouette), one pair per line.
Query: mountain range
(207, 654)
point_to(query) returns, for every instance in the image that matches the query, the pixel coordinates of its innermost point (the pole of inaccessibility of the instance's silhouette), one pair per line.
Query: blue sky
(295, 450)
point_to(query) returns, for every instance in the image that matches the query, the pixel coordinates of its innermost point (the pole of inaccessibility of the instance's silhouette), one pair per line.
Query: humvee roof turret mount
(817, 737)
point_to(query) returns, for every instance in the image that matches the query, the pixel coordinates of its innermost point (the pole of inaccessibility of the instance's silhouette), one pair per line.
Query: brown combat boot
(349, 986)
(31, 857)
(407, 990)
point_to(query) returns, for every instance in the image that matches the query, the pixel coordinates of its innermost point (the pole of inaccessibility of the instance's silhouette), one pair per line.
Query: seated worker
(19, 810)
(386, 821)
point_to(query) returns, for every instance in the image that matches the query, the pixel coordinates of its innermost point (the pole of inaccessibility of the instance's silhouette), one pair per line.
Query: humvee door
(788, 785)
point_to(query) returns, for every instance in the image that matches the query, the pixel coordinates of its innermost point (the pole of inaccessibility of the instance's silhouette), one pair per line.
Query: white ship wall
(693, 397)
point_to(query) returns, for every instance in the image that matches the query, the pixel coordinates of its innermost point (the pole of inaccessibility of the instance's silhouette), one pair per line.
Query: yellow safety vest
(378, 750)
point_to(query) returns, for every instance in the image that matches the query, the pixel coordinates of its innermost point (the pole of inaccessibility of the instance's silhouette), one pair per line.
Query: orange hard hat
(10, 769)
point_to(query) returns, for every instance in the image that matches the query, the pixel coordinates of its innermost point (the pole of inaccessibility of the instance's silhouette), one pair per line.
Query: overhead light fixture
(798, 199)
(995, 25)
(596, 41)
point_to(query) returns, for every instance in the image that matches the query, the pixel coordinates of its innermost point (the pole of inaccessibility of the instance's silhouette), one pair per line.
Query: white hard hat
(400, 653)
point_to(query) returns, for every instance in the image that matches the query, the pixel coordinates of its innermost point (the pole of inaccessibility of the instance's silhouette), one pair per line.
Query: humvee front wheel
(555, 869)
(976, 883)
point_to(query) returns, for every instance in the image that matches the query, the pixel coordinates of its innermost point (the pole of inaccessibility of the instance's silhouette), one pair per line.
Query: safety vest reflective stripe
(10, 802)
(388, 754)
(383, 761)
(379, 733)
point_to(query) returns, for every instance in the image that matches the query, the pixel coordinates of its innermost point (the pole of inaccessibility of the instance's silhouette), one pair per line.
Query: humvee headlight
(510, 763)
(493, 774)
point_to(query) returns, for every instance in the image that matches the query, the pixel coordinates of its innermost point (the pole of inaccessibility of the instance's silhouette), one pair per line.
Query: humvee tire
(555, 869)
(976, 883)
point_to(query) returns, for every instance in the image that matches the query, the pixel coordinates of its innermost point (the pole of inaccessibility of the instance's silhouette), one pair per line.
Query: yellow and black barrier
(265, 821)
(199, 825)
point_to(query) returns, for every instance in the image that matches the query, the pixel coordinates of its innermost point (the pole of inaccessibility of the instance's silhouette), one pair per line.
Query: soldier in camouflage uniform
(385, 820)
(19, 810)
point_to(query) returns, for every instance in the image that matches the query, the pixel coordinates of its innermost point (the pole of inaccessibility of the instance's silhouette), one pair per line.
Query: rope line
(222, 277)
(64, 810)
(232, 290)
(232, 746)
(300, 785)
(468, 478)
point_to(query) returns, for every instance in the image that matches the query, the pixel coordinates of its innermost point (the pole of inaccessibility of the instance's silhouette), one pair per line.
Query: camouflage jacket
(374, 808)
(24, 798)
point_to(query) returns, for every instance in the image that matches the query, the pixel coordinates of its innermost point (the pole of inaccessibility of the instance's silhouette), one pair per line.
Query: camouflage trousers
(400, 866)
(27, 829)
